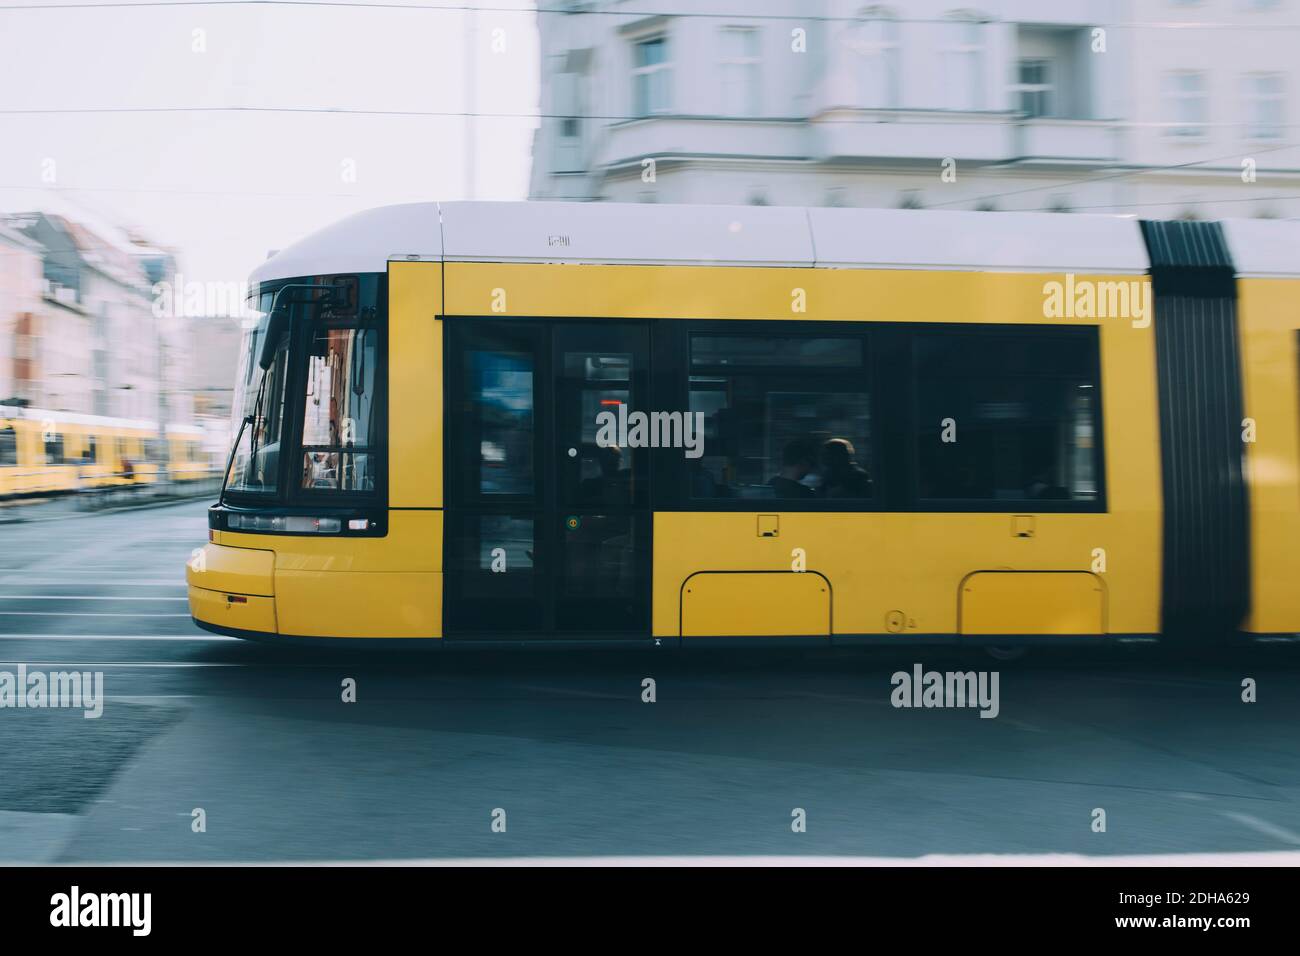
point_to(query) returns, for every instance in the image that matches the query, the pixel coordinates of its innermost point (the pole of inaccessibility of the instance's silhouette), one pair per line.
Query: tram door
(548, 513)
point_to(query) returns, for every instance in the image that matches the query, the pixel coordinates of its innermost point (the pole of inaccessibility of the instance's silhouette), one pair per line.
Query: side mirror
(278, 321)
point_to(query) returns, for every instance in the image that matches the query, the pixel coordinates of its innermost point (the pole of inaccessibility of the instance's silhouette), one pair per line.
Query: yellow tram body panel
(330, 587)
(389, 586)
(415, 291)
(1269, 324)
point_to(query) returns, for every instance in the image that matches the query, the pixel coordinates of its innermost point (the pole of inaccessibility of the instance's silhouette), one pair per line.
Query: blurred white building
(1163, 108)
(20, 298)
(94, 337)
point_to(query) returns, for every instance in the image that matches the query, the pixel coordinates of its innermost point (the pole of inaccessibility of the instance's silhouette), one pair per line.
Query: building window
(1187, 103)
(1007, 416)
(651, 76)
(963, 62)
(739, 71)
(874, 40)
(1035, 87)
(567, 102)
(1264, 104)
(784, 417)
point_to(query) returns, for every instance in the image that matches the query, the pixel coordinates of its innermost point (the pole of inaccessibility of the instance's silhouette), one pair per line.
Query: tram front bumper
(232, 588)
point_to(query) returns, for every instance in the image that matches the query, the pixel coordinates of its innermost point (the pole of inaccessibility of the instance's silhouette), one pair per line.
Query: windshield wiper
(248, 420)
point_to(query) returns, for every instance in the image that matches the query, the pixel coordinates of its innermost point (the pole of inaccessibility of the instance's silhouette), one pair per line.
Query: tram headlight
(302, 525)
(289, 524)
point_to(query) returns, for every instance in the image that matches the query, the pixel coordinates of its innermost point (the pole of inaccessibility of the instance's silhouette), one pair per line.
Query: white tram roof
(1264, 247)
(647, 233)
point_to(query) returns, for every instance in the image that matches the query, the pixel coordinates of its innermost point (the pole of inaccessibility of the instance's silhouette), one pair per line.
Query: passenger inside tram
(613, 486)
(842, 476)
(798, 463)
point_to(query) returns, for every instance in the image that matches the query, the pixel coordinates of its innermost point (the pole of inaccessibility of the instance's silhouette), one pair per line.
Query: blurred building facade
(21, 282)
(1163, 108)
(175, 356)
(96, 344)
(78, 328)
(214, 342)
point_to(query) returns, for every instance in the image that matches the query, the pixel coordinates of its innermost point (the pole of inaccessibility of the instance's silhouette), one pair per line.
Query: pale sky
(224, 188)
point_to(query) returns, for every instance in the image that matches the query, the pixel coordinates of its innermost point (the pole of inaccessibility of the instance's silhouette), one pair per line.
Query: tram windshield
(314, 425)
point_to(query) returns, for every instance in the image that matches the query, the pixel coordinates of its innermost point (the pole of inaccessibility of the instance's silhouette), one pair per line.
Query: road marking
(1264, 827)
(1006, 720)
(82, 597)
(126, 664)
(85, 614)
(37, 569)
(144, 583)
(1272, 858)
(115, 637)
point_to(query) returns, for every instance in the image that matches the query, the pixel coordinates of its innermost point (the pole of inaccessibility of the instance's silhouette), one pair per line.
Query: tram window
(340, 431)
(784, 417)
(8, 447)
(258, 472)
(499, 421)
(1007, 417)
(505, 542)
(775, 352)
(599, 473)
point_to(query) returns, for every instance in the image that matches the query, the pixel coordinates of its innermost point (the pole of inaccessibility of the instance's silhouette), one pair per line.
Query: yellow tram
(515, 422)
(44, 452)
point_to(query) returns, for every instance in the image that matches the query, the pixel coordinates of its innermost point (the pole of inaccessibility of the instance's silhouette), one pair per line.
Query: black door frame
(546, 507)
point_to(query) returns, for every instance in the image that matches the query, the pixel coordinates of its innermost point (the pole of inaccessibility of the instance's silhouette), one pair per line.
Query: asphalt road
(260, 740)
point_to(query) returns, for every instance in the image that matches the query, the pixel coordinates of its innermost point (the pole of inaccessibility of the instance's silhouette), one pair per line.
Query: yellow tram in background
(682, 425)
(45, 452)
